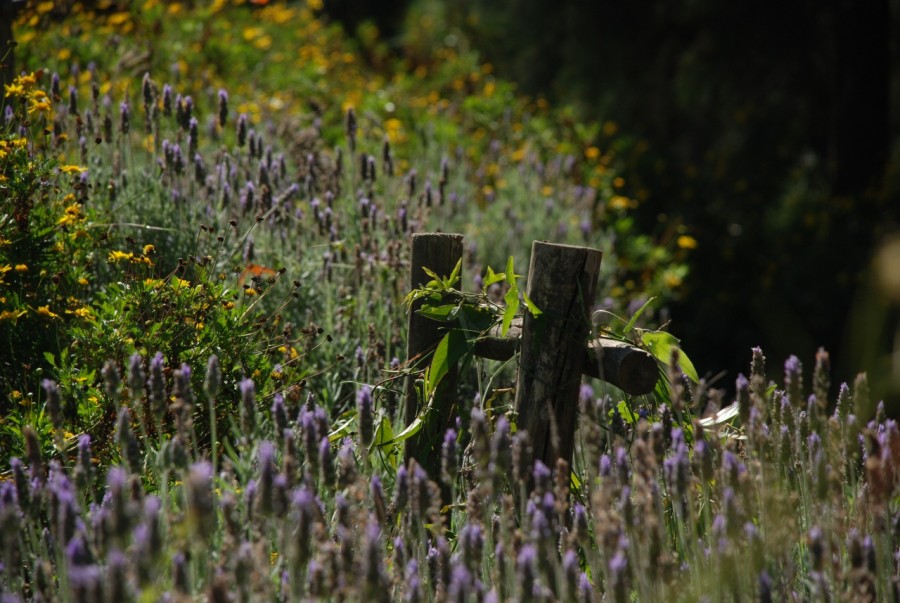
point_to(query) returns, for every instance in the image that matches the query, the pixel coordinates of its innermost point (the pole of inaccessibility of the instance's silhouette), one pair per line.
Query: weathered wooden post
(439, 253)
(8, 10)
(562, 280)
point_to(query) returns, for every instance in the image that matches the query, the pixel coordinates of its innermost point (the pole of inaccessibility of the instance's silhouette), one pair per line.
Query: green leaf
(341, 429)
(661, 344)
(512, 306)
(535, 311)
(510, 273)
(492, 277)
(432, 274)
(384, 435)
(451, 348)
(625, 412)
(411, 430)
(454, 276)
(637, 315)
(444, 313)
(475, 320)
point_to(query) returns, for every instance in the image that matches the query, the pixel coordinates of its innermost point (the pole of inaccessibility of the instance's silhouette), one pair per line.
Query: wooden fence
(554, 351)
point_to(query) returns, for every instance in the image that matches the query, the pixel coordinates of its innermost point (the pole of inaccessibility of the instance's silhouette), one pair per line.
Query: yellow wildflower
(11, 315)
(117, 256)
(83, 281)
(592, 152)
(14, 89)
(619, 202)
(672, 279)
(249, 291)
(148, 249)
(687, 242)
(20, 268)
(73, 214)
(39, 106)
(72, 169)
(46, 312)
(28, 80)
(84, 312)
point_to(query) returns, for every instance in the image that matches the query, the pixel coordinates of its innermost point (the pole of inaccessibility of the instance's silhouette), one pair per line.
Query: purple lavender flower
(366, 415)
(22, 487)
(500, 448)
(212, 383)
(401, 489)
(73, 100)
(181, 573)
(677, 466)
(156, 384)
(136, 377)
(619, 575)
(462, 585)
(223, 107)
(346, 464)
(413, 593)
(184, 112)
(471, 545)
(264, 493)
(83, 573)
(201, 511)
(54, 402)
(193, 136)
(242, 129)
(177, 159)
(571, 572)
(326, 462)
(375, 580)
(167, 100)
(526, 571)
(148, 539)
(10, 522)
(758, 363)
(199, 169)
(449, 457)
(117, 588)
(793, 380)
(351, 129)
(125, 116)
(378, 504)
(703, 458)
(33, 452)
(248, 407)
(111, 380)
(118, 513)
(542, 477)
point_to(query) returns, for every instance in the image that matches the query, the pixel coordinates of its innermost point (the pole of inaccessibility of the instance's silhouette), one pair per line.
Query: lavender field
(205, 221)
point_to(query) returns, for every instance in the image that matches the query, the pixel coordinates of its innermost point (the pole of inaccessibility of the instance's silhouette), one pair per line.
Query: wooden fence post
(8, 10)
(562, 280)
(438, 252)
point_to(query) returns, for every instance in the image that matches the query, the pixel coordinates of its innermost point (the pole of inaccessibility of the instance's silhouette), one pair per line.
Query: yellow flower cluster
(25, 87)
(7, 146)
(117, 256)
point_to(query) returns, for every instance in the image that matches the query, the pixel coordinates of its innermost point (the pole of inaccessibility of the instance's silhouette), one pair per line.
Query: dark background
(770, 129)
